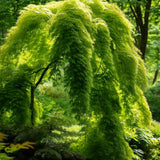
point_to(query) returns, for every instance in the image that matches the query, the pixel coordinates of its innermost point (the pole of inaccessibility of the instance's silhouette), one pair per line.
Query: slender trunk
(142, 20)
(155, 76)
(2, 35)
(32, 104)
(144, 30)
(143, 41)
(33, 87)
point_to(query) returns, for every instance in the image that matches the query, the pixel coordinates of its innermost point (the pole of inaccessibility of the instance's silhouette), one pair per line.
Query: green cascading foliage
(70, 27)
(14, 99)
(103, 70)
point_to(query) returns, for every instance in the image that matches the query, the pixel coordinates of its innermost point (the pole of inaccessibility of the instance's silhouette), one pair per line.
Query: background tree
(141, 14)
(9, 11)
(153, 53)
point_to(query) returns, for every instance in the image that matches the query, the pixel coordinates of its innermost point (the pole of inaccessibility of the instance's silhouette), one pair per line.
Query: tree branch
(136, 10)
(155, 76)
(147, 11)
(132, 9)
(43, 73)
(37, 70)
(139, 16)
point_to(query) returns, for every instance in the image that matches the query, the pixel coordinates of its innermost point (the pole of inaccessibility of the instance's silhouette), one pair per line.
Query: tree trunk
(144, 32)
(32, 104)
(2, 35)
(33, 87)
(155, 76)
(143, 41)
(142, 21)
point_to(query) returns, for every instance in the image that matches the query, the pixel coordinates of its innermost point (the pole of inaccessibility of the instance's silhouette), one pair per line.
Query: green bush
(53, 99)
(145, 144)
(50, 137)
(153, 97)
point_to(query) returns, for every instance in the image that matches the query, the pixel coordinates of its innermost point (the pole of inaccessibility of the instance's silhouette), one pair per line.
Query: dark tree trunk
(32, 104)
(143, 42)
(33, 87)
(2, 35)
(155, 76)
(142, 21)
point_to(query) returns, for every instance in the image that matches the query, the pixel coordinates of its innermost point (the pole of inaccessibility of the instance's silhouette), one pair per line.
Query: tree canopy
(103, 71)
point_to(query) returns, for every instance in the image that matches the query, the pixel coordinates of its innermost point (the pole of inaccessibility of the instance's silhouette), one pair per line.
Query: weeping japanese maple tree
(103, 70)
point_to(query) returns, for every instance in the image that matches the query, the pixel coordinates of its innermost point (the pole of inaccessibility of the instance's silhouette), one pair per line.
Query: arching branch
(43, 73)
(33, 87)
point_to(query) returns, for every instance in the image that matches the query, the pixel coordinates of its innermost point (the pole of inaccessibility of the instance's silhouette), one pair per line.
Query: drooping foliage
(102, 68)
(70, 28)
(14, 99)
